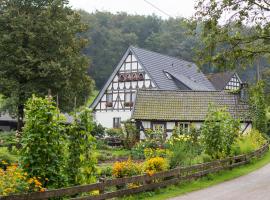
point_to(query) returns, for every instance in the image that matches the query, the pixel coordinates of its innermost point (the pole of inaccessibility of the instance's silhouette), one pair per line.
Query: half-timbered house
(165, 109)
(143, 69)
(225, 80)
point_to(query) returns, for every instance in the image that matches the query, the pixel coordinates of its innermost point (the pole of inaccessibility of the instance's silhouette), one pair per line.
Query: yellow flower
(4, 162)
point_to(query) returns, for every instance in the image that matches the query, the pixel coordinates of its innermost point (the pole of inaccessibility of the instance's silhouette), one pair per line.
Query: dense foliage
(7, 157)
(112, 34)
(15, 180)
(40, 50)
(98, 130)
(234, 32)
(156, 164)
(81, 161)
(131, 134)
(42, 142)
(126, 169)
(258, 107)
(248, 142)
(219, 131)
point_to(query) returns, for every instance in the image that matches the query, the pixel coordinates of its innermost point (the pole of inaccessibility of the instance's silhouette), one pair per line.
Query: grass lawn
(210, 180)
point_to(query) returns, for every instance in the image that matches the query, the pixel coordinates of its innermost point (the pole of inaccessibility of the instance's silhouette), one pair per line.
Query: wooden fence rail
(122, 186)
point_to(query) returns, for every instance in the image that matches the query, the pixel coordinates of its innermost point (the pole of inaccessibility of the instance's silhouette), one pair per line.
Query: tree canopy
(112, 34)
(40, 49)
(234, 32)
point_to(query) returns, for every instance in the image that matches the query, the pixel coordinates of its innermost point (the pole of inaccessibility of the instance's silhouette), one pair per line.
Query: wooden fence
(111, 188)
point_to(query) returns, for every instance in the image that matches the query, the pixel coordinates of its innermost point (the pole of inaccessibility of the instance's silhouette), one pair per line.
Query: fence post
(102, 188)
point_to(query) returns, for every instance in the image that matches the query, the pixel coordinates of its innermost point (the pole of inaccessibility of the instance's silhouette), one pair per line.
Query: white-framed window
(109, 99)
(159, 126)
(129, 98)
(116, 122)
(184, 126)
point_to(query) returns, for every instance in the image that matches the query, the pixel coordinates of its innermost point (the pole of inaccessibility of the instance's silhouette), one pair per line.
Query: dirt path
(254, 186)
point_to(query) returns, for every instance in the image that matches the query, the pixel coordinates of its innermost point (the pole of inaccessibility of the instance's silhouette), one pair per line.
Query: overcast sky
(173, 8)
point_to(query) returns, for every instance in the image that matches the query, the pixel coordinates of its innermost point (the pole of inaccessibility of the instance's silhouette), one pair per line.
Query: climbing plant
(219, 132)
(258, 107)
(42, 142)
(81, 145)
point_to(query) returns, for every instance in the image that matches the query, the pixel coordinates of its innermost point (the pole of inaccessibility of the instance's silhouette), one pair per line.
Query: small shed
(7, 122)
(167, 108)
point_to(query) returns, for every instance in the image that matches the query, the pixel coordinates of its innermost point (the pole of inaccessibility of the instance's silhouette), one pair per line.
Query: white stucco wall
(248, 129)
(106, 118)
(170, 125)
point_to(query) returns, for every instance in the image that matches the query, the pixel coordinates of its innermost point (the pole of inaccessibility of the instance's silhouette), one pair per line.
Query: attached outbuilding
(169, 108)
(7, 122)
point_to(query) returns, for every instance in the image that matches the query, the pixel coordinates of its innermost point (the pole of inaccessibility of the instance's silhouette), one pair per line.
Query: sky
(172, 8)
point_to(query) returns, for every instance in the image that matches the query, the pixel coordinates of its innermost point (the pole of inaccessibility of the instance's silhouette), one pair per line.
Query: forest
(110, 35)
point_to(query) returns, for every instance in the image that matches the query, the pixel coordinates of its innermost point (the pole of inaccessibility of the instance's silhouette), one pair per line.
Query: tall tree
(234, 32)
(40, 50)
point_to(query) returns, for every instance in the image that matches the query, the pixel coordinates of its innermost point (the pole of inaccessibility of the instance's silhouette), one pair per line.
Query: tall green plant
(81, 162)
(219, 132)
(131, 134)
(43, 142)
(258, 107)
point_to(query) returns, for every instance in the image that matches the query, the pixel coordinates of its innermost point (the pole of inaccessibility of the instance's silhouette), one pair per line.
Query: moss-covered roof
(166, 105)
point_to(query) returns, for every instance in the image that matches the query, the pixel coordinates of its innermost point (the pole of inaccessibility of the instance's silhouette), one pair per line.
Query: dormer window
(168, 75)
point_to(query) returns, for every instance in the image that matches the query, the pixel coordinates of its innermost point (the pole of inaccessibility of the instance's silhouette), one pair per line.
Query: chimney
(244, 92)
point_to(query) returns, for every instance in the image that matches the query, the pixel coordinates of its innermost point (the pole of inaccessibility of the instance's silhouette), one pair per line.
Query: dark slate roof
(7, 117)
(185, 105)
(186, 75)
(220, 80)
(185, 72)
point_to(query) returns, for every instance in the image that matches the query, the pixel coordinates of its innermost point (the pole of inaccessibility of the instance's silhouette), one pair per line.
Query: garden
(51, 154)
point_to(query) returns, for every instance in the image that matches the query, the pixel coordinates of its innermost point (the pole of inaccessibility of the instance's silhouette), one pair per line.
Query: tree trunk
(20, 118)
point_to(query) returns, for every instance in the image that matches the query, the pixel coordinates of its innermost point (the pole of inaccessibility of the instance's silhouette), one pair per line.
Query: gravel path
(254, 186)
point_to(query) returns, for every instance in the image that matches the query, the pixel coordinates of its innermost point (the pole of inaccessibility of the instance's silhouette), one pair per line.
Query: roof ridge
(180, 59)
(165, 90)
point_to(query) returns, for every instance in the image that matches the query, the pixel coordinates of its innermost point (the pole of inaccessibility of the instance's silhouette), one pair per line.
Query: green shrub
(156, 164)
(206, 158)
(104, 156)
(137, 152)
(98, 130)
(8, 139)
(184, 149)
(6, 158)
(43, 142)
(81, 161)
(248, 142)
(131, 134)
(257, 102)
(219, 132)
(14, 180)
(106, 171)
(182, 154)
(202, 158)
(126, 169)
(102, 144)
(115, 132)
(151, 153)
